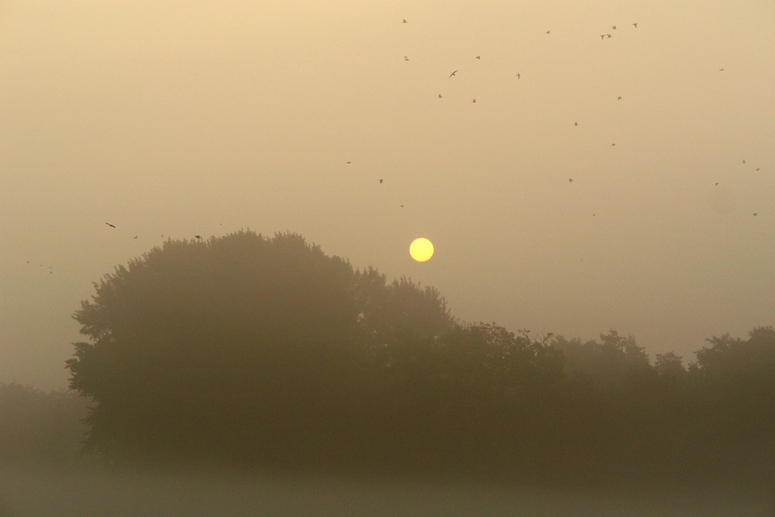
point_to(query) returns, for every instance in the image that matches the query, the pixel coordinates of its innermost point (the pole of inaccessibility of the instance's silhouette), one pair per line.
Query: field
(86, 489)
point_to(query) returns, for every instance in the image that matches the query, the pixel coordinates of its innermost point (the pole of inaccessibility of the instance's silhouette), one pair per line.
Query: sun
(421, 249)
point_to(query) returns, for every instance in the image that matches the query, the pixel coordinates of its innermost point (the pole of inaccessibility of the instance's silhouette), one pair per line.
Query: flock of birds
(453, 75)
(519, 76)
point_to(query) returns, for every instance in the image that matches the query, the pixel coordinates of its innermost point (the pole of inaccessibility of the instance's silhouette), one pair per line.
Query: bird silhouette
(720, 69)
(607, 35)
(406, 58)
(716, 185)
(380, 181)
(474, 100)
(575, 123)
(602, 36)
(570, 180)
(453, 73)
(518, 76)
(618, 98)
(635, 25)
(198, 237)
(755, 214)
(439, 96)
(478, 57)
(743, 161)
(613, 27)
(111, 225)
(548, 32)
(404, 21)
(348, 162)
(613, 145)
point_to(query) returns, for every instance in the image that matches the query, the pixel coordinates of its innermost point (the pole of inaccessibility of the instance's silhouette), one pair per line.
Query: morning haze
(192, 118)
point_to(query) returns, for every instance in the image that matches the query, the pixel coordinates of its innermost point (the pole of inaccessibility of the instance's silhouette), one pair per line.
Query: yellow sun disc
(421, 249)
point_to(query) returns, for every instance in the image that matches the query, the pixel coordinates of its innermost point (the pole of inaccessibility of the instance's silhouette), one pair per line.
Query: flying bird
(478, 57)
(518, 76)
(453, 73)
(755, 214)
(635, 25)
(570, 180)
(348, 162)
(613, 27)
(613, 145)
(406, 58)
(720, 69)
(439, 96)
(199, 237)
(607, 35)
(602, 36)
(380, 181)
(618, 98)
(111, 225)
(716, 185)
(474, 100)
(404, 20)
(575, 123)
(548, 32)
(743, 161)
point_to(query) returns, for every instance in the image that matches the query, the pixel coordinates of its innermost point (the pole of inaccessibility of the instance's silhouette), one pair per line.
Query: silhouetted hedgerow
(40, 426)
(267, 352)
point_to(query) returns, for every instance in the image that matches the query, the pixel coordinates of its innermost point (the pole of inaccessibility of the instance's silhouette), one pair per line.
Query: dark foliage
(40, 426)
(244, 346)
(266, 352)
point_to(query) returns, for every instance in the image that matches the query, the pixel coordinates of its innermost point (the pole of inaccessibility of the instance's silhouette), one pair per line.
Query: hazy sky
(186, 117)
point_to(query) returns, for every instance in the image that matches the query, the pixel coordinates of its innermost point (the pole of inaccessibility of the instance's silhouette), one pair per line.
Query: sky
(190, 117)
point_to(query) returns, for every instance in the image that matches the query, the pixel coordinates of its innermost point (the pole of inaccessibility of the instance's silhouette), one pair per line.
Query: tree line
(264, 351)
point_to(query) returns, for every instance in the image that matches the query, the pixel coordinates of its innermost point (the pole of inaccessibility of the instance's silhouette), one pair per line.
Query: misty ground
(86, 488)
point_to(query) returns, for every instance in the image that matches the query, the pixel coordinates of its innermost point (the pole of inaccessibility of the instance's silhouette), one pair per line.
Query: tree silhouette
(242, 345)
(267, 351)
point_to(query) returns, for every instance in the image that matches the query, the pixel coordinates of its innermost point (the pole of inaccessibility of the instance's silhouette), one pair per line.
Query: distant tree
(389, 312)
(669, 365)
(731, 416)
(736, 377)
(728, 355)
(607, 360)
(40, 426)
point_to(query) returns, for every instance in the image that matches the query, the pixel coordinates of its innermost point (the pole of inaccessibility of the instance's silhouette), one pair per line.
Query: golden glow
(421, 249)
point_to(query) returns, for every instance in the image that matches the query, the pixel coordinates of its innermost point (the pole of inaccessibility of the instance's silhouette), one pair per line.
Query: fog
(187, 118)
(93, 491)
(578, 166)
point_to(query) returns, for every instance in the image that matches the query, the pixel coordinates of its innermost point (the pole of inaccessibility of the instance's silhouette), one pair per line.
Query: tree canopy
(267, 351)
(195, 340)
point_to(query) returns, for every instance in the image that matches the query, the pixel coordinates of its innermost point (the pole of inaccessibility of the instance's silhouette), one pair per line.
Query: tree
(731, 356)
(669, 365)
(39, 426)
(390, 312)
(240, 345)
(606, 361)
